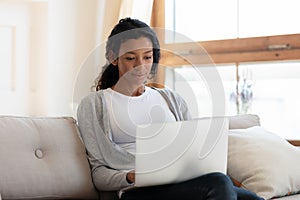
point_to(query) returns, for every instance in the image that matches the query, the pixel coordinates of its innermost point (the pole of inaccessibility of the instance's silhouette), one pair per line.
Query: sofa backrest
(43, 158)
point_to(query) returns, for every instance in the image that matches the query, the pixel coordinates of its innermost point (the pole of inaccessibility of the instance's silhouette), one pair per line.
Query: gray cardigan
(109, 162)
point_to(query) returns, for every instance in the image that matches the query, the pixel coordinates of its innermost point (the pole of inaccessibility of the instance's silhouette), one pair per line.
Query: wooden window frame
(256, 49)
(295, 142)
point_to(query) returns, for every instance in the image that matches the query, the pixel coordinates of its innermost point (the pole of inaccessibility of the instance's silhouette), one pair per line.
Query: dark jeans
(213, 186)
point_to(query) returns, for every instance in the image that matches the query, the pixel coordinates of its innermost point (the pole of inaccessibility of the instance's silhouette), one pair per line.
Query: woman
(107, 120)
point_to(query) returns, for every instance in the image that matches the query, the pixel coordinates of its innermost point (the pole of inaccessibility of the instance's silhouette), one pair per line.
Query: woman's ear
(115, 62)
(112, 58)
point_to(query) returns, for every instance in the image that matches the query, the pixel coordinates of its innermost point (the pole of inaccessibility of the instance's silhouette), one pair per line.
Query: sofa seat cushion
(43, 158)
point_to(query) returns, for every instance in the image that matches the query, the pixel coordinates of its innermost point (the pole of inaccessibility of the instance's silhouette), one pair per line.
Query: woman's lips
(139, 75)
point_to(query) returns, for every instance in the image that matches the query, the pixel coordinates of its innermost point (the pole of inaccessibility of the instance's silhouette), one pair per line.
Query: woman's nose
(139, 62)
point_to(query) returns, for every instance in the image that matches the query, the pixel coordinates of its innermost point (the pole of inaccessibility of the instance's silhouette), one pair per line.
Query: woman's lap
(215, 186)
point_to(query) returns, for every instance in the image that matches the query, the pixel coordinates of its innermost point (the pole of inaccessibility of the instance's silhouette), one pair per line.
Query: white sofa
(44, 158)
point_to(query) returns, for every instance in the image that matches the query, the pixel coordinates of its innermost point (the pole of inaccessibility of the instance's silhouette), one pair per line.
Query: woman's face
(135, 60)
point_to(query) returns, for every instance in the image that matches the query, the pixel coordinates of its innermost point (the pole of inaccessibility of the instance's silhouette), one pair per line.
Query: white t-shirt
(126, 112)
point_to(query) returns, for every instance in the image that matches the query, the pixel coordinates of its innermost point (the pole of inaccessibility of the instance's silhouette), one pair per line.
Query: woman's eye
(148, 57)
(129, 58)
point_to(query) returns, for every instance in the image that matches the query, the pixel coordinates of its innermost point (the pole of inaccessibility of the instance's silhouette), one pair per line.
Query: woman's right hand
(130, 177)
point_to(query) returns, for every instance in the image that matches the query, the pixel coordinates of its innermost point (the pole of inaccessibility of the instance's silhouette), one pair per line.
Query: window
(230, 19)
(276, 98)
(205, 96)
(272, 88)
(265, 18)
(255, 47)
(201, 20)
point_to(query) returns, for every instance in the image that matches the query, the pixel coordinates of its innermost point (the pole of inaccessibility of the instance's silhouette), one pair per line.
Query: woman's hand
(130, 177)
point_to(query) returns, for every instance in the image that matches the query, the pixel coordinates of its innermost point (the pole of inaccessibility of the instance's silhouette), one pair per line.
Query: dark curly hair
(126, 29)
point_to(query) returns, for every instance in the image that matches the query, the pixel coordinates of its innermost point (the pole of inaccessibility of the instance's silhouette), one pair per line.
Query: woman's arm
(108, 162)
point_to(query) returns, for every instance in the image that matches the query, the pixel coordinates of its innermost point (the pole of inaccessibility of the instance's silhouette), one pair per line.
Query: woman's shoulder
(92, 98)
(167, 92)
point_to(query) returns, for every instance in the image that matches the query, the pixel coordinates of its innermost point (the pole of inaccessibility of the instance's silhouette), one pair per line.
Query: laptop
(173, 152)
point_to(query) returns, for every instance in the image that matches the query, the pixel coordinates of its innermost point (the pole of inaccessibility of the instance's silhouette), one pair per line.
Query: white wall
(54, 40)
(15, 99)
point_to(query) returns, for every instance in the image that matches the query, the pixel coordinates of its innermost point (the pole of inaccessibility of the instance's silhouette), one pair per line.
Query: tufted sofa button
(38, 153)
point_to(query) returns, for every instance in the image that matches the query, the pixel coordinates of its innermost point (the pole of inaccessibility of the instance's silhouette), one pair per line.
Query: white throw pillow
(263, 162)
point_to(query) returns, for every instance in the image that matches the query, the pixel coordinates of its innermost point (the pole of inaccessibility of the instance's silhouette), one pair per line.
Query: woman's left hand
(130, 177)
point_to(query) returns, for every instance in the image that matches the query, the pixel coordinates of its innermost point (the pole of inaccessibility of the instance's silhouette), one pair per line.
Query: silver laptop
(178, 151)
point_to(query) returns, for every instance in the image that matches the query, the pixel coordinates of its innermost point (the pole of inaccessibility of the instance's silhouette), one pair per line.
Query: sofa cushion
(263, 162)
(243, 121)
(240, 121)
(43, 158)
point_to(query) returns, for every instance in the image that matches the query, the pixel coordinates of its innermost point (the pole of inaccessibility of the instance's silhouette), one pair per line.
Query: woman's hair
(126, 29)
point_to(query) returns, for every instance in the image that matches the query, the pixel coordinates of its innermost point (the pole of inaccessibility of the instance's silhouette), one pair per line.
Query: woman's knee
(220, 178)
(220, 186)
(220, 182)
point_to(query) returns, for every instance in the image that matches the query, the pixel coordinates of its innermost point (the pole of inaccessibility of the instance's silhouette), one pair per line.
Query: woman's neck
(129, 91)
